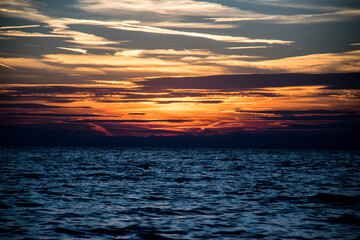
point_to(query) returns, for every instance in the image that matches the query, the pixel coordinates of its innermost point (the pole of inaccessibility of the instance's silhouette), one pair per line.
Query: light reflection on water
(107, 193)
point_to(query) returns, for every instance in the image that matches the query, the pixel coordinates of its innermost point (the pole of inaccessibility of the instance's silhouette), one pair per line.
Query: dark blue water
(114, 193)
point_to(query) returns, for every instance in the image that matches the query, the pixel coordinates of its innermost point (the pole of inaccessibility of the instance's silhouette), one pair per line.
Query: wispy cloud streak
(222, 38)
(248, 47)
(79, 50)
(60, 29)
(219, 12)
(7, 66)
(16, 27)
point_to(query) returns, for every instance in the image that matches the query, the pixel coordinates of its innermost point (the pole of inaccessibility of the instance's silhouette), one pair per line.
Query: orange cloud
(312, 63)
(29, 63)
(84, 51)
(16, 27)
(101, 129)
(4, 65)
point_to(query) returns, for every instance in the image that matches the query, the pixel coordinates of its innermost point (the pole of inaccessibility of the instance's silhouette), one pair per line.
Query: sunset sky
(179, 67)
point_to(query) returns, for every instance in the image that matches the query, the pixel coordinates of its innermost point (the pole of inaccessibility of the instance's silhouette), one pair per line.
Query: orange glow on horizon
(106, 108)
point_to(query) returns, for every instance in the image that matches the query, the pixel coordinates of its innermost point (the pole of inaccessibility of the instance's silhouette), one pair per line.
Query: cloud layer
(165, 67)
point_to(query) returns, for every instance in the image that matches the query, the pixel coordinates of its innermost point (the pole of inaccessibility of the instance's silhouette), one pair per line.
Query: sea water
(137, 193)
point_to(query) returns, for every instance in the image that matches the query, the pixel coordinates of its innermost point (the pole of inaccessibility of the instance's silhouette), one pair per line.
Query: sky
(180, 67)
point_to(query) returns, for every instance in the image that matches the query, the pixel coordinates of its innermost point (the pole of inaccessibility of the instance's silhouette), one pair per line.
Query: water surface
(136, 193)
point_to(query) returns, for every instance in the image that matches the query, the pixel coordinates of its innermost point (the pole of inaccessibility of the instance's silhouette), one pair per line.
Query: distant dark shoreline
(268, 140)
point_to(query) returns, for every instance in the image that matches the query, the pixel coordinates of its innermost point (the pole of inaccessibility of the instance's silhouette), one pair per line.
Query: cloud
(100, 129)
(59, 26)
(25, 11)
(218, 12)
(223, 91)
(123, 84)
(192, 25)
(79, 50)
(85, 38)
(144, 52)
(77, 37)
(327, 127)
(186, 55)
(173, 104)
(165, 7)
(28, 63)
(304, 4)
(240, 19)
(141, 63)
(13, 33)
(7, 66)
(256, 81)
(136, 26)
(42, 98)
(130, 66)
(137, 114)
(221, 38)
(305, 115)
(334, 16)
(62, 89)
(52, 115)
(53, 94)
(247, 47)
(110, 94)
(16, 27)
(301, 112)
(128, 63)
(143, 130)
(313, 118)
(131, 121)
(312, 63)
(107, 60)
(195, 102)
(28, 105)
(125, 64)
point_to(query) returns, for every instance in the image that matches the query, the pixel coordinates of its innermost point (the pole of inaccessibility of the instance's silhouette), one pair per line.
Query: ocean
(177, 193)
